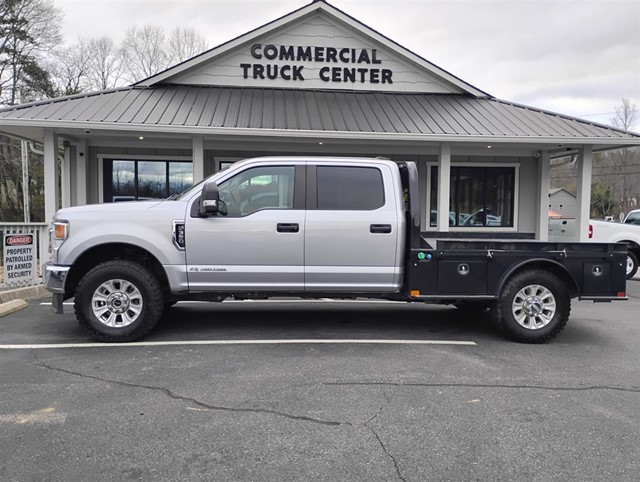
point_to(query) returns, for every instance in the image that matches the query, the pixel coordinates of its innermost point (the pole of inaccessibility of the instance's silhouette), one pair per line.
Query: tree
(147, 50)
(624, 164)
(105, 65)
(69, 69)
(183, 44)
(29, 30)
(604, 201)
(143, 52)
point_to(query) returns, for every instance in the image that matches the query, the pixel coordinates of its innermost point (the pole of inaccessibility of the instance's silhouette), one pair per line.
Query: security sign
(19, 259)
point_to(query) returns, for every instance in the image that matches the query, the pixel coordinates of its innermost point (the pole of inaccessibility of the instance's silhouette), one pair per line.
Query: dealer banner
(19, 260)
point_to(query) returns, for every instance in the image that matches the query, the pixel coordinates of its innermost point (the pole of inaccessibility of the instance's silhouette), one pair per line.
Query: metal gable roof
(192, 108)
(316, 7)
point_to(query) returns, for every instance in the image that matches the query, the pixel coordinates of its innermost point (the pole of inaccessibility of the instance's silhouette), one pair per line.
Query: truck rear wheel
(118, 301)
(534, 307)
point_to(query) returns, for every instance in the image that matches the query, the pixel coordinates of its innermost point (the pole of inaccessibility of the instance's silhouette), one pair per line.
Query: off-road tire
(504, 308)
(137, 275)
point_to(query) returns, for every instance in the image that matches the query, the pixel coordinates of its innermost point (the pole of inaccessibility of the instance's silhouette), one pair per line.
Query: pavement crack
(487, 385)
(382, 445)
(175, 396)
(374, 416)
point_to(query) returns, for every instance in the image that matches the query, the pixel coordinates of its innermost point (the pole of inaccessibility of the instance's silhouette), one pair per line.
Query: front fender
(160, 245)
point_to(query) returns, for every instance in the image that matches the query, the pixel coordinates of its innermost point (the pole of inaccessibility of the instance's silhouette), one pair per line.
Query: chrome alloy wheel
(533, 307)
(629, 265)
(117, 303)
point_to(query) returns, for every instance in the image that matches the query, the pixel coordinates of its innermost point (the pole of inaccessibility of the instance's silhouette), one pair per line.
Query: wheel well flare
(552, 267)
(110, 251)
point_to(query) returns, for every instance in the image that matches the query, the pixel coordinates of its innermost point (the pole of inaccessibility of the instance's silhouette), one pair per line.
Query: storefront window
(479, 196)
(139, 180)
(180, 177)
(123, 177)
(152, 180)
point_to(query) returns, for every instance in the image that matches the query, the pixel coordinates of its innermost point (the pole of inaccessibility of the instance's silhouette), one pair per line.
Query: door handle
(288, 227)
(380, 228)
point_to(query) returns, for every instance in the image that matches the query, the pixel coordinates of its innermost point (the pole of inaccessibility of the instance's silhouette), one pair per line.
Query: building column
(51, 194)
(585, 160)
(81, 173)
(544, 182)
(198, 159)
(444, 186)
(66, 183)
(424, 194)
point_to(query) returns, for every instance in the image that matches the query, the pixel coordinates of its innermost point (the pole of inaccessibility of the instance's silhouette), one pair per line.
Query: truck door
(354, 233)
(258, 244)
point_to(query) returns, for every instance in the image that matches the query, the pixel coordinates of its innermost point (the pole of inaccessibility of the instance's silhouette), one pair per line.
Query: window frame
(516, 197)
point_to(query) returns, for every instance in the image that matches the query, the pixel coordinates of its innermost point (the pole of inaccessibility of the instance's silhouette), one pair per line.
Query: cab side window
(258, 188)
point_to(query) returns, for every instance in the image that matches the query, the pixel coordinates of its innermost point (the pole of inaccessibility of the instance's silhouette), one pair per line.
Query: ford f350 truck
(310, 228)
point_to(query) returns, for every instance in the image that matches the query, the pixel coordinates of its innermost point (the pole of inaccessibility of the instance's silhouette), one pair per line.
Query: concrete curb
(12, 306)
(14, 300)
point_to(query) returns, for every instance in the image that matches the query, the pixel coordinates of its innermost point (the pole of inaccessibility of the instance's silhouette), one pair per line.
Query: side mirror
(209, 200)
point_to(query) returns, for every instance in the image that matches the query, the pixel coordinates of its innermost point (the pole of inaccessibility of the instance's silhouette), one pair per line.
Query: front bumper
(54, 277)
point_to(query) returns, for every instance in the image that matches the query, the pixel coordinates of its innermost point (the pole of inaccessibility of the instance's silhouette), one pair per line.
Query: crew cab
(309, 227)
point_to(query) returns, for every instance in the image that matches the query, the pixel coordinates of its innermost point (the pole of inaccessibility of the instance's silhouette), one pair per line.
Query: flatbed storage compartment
(477, 269)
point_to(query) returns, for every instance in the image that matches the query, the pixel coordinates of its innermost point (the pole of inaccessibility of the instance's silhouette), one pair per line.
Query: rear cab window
(349, 188)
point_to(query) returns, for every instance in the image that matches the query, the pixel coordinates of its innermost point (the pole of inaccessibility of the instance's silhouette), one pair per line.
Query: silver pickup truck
(308, 227)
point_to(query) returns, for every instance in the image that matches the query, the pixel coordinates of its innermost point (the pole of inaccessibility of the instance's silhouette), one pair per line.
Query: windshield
(633, 218)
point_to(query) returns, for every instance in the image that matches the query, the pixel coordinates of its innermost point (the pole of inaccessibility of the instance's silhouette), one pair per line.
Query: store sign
(19, 259)
(363, 65)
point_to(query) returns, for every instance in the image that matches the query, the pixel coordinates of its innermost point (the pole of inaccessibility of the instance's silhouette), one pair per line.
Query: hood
(120, 208)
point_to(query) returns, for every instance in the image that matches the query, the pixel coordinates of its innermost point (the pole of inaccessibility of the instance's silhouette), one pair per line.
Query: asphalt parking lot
(244, 393)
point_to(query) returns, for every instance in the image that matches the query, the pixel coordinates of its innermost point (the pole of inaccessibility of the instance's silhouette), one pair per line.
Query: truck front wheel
(118, 301)
(534, 307)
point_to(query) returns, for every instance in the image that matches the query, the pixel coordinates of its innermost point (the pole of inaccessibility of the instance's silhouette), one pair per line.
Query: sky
(574, 57)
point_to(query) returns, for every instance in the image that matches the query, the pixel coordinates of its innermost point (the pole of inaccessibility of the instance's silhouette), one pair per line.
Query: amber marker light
(415, 293)
(60, 230)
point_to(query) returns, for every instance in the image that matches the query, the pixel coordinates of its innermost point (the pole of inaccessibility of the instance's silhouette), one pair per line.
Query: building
(315, 82)
(563, 202)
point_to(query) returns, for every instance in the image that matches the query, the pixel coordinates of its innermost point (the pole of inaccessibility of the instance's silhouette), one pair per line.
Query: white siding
(317, 32)
(563, 203)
